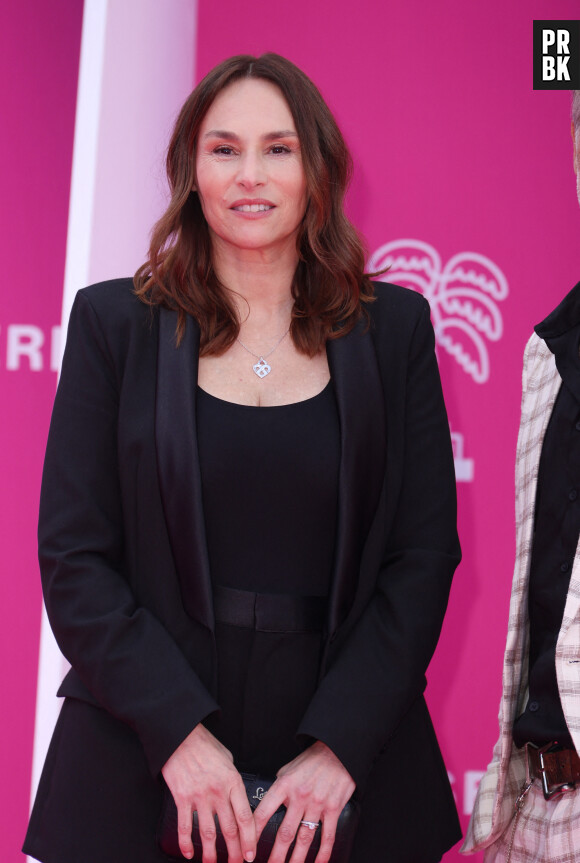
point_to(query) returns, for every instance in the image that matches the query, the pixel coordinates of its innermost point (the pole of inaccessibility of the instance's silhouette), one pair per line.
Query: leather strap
(269, 612)
(555, 769)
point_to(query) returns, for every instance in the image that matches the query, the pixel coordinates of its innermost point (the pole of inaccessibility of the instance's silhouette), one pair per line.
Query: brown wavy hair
(329, 286)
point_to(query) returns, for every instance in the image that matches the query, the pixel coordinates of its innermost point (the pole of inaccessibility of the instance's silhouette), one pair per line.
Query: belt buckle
(550, 792)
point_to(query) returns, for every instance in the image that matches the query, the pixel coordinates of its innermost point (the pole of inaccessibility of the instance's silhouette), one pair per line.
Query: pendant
(262, 368)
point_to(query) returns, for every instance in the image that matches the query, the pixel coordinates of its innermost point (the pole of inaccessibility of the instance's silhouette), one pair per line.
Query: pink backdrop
(39, 50)
(453, 151)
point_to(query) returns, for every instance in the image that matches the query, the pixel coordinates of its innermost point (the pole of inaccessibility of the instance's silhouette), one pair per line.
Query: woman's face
(249, 173)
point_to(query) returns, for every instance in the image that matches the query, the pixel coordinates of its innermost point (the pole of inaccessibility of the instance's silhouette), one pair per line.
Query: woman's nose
(251, 171)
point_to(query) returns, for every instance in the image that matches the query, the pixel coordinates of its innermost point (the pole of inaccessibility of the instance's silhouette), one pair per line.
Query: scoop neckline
(266, 407)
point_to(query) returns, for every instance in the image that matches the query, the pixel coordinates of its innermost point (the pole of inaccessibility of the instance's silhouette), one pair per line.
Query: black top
(270, 491)
(556, 530)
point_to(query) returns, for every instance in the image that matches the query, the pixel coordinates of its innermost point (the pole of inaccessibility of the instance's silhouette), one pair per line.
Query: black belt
(269, 612)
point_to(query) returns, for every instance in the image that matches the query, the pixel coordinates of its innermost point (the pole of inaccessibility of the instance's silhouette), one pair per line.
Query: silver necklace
(262, 368)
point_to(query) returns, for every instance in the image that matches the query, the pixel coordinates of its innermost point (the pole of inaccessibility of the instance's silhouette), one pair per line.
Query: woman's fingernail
(249, 857)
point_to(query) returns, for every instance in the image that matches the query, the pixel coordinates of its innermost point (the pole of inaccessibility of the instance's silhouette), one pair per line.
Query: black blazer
(122, 547)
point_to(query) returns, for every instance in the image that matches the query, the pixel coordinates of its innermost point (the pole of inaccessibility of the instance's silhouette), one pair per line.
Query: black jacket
(122, 547)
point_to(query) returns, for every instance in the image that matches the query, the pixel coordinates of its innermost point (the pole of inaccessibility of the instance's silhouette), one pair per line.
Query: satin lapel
(178, 463)
(361, 409)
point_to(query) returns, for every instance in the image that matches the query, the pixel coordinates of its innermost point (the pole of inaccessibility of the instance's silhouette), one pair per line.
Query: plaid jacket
(505, 775)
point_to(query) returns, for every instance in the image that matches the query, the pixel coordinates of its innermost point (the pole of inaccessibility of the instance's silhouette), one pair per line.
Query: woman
(247, 527)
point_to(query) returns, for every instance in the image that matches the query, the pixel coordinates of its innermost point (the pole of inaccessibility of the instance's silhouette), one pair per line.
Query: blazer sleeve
(126, 659)
(379, 670)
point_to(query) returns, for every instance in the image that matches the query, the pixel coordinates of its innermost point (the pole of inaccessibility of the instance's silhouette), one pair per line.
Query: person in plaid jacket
(528, 802)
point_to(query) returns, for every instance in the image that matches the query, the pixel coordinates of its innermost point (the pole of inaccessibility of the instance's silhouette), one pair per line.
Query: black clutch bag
(256, 787)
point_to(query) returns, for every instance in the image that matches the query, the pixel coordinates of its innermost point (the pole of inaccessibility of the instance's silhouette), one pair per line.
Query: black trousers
(266, 680)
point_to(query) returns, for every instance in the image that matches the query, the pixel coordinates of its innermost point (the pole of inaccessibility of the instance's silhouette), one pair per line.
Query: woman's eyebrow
(221, 133)
(283, 133)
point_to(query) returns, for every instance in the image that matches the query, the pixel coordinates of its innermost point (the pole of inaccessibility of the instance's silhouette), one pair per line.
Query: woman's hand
(201, 777)
(314, 787)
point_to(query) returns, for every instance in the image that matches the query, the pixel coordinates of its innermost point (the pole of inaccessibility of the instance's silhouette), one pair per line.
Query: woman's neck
(260, 283)
(263, 315)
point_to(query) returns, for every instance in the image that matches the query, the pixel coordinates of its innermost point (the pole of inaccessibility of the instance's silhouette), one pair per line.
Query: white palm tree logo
(463, 296)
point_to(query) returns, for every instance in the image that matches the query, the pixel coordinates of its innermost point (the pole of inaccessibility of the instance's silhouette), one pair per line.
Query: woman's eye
(223, 150)
(278, 149)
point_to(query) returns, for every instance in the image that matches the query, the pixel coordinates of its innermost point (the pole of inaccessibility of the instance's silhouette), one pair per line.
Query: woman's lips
(252, 206)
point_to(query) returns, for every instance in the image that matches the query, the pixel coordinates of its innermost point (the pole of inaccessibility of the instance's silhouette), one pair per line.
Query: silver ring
(312, 825)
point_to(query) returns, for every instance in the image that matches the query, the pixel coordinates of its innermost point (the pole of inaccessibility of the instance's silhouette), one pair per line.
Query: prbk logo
(556, 55)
